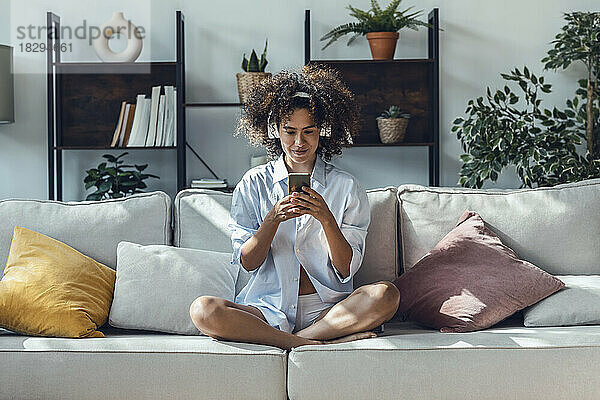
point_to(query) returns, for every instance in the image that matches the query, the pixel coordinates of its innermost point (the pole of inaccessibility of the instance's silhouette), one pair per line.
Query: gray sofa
(556, 228)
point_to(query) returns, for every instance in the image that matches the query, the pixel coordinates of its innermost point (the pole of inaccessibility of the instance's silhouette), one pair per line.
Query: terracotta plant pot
(247, 80)
(383, 44)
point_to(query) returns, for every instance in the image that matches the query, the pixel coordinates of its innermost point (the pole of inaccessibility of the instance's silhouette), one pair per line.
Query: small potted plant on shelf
(381, 27)
(254, 72)
(114, 181)
(392, 124)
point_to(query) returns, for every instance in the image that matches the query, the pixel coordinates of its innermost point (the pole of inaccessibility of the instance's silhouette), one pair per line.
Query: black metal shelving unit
(421, 76)
(60, 125)
(80, 120)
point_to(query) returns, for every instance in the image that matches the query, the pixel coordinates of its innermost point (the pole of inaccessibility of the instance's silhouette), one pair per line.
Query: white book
(208, 180)
(160, 135)
(169, 115)
(151, 137)
(208, 185)
(139, 110)
(144, 121)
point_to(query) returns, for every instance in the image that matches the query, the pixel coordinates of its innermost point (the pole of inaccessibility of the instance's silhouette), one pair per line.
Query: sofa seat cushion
(411, 362)
(139, 365)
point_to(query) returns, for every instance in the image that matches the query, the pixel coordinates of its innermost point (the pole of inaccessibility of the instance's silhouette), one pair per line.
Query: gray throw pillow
(578, 303)
(156, 284)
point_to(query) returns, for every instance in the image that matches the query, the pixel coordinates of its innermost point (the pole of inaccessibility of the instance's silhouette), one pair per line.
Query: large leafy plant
(115, 181)
(504, 128)
(579, 40)
(375, 19)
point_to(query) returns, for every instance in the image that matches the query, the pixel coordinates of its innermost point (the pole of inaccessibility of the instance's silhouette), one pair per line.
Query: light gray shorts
(309, 308)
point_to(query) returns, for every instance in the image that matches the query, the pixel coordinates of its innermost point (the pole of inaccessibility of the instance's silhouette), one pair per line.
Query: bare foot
(352, 337)
(303, 341)
(348, 338)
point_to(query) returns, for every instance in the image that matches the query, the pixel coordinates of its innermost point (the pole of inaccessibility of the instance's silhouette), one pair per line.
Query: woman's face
(299, 137)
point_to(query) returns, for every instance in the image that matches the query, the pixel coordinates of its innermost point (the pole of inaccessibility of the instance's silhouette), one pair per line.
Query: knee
(205, 312)
(386, 295)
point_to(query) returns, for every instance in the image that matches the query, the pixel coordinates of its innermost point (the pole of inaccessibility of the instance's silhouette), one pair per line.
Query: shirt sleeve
(355, 221)
(243, 223)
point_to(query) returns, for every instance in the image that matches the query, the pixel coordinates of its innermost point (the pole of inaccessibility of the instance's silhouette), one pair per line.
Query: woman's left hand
(314, 204)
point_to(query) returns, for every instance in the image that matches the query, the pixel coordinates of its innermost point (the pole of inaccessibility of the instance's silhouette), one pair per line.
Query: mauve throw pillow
(470, 281)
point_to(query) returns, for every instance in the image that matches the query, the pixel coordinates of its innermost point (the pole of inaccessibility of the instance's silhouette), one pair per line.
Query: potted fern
(380, 26)
(392, 124)
(254, 72)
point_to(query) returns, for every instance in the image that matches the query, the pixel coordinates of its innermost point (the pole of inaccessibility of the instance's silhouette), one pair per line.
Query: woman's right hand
(282, 210)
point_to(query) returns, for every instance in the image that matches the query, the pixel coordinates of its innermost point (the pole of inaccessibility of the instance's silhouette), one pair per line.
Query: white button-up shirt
(273, 286)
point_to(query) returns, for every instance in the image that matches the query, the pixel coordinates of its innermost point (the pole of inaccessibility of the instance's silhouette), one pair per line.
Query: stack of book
(149, 122)
(209, 183)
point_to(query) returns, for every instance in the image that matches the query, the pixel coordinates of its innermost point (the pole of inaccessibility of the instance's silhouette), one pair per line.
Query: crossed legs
(364, 309)
(225, 320)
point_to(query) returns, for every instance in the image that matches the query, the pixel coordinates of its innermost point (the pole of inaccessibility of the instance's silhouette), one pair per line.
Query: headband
(273, 133)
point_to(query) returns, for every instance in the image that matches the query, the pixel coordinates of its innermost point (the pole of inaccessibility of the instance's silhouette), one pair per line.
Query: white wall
(480, 39)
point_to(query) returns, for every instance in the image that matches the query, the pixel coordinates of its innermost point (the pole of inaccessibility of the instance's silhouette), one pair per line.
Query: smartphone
(296, 180)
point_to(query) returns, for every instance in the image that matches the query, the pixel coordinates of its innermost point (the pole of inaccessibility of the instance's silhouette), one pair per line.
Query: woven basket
(392, 130)
(247, 80)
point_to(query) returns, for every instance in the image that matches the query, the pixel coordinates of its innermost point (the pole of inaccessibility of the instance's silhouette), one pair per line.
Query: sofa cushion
(555, 228)
(133, 364)
(381, 259)
(91, 227)
(51, 289)
(409, 362)
(156, 284)
(470, 281)
(577, 304)
(210, 210)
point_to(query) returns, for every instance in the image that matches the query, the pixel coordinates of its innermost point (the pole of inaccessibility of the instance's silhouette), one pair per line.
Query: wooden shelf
(227, 189)
(89, 97)
(378, 85)
(367, 61)
(424, 144)
(212, 104)
(96, 63)
(114, 148)
(113, 68)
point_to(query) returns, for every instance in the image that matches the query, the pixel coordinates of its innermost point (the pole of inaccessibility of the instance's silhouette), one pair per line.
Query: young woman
(300, 249)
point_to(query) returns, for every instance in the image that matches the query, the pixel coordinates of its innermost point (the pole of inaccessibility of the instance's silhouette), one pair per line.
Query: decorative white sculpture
(118, 25)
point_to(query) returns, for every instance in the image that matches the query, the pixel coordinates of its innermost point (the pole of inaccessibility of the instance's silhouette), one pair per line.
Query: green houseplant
(115, 181)
(504, 128)
(254, 72)
(579, 40)
(392, 124)
(380, 26)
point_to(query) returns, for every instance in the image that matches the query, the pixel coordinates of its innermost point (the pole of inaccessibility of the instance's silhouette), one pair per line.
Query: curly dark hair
(331, 104)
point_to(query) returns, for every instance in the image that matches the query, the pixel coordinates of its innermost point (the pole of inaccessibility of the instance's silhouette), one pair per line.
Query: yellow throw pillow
(51, 289)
